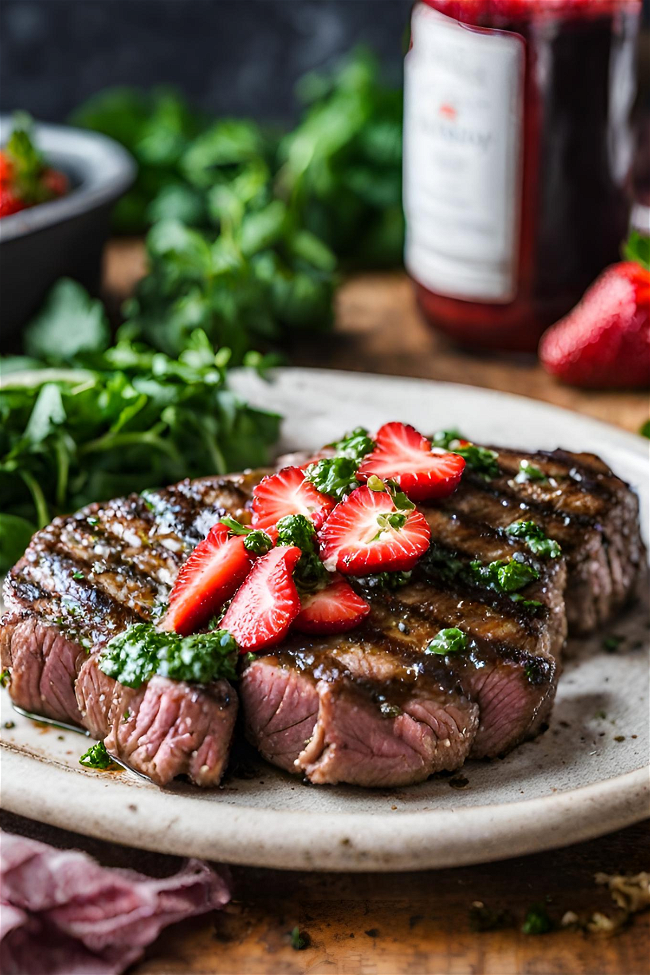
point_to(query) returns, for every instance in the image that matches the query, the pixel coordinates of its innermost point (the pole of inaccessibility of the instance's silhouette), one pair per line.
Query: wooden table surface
(416, 923)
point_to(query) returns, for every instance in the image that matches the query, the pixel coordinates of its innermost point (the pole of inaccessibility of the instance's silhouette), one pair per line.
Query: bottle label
(463, 108)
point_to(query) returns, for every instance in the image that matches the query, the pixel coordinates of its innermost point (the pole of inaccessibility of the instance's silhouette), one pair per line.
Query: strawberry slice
(288, 493)
(268, 602)
(214, 571)
(367, 533)
(406, 457)
(334, 609)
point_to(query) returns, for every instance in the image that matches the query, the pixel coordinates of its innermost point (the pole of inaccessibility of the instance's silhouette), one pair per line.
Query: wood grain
(412, 924)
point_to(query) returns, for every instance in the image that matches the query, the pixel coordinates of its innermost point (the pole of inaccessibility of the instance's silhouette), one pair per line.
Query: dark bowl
(65, 236)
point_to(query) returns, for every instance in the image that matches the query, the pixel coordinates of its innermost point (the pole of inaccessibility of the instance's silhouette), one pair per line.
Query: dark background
(235, 57)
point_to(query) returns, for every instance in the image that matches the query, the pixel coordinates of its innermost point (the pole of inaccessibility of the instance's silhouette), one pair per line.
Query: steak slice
(349, 710)
(85, 578)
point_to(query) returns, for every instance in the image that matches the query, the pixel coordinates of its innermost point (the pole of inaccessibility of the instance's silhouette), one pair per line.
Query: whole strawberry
(605, 340)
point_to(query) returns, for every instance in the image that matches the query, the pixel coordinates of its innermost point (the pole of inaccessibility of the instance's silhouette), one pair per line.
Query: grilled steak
(368, 707)
(85, 578)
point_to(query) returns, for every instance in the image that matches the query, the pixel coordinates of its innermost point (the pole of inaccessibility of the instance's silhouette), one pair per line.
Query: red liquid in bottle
(516, 159)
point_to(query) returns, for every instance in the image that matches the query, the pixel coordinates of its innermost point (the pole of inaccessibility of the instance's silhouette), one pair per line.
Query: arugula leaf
(134, 656)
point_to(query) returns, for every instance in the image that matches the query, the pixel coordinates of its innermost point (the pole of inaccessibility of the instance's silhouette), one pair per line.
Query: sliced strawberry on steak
(406, 457)
(367, 533)
(214, 571)
(288, 493)
(334, 609)
(267, 603)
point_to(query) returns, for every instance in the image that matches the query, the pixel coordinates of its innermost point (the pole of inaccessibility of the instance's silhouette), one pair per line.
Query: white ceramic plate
(577, 781)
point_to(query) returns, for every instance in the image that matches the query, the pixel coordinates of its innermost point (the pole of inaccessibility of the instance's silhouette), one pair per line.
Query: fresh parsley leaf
(141, 651)
(336, 476)
(504, 576)
(535, 537)
(355, 444)
(450, 640)
(98, 758)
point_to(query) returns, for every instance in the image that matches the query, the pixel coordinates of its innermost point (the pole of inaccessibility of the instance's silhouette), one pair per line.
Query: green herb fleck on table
(98, 758)
(135, 655)
(612, 643)
(5, 677)
(535, 538)
(537, 921)
(450, 640)
(299, 940)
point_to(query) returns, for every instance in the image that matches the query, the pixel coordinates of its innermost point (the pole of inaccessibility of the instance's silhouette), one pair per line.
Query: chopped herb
(451, 640)
(384, 580)
(530, 472)
(258, 541)
(612, 643)
(504, 576)
(9, 725)
(354, 445)
(400, 500)
(533, 604)
(299, 939)
(141, 651)
(482, 918)
(97, 757)
(5, 677)
(92, 521)
(645, 429)
(482, 460)
(336, 476)
(78, 575)
(535, 538)
(537, 921)
(126, 715)
(249, 658)
(310, 573)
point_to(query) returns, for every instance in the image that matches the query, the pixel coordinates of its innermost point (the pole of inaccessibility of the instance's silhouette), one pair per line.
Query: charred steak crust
(368, 708)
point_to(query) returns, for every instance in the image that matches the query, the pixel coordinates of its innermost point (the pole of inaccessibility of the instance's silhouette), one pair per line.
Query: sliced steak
(85, 578)
(346, 710)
